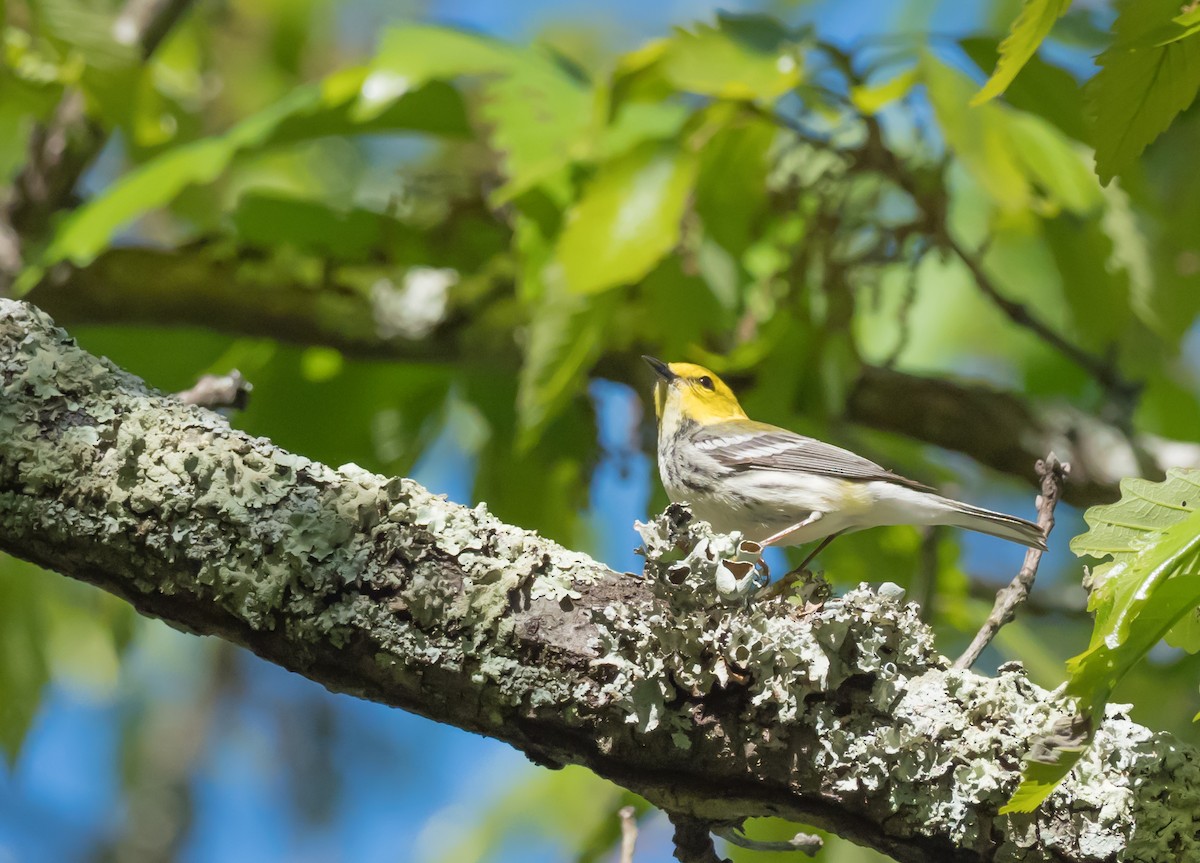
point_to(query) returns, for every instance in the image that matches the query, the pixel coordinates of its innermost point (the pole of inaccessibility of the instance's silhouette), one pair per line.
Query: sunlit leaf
(92, 227)
(1008, 152)
(538, 111)
(1032, 26)
(626, 220)
(1139, 90)
(566, 336)
(751, 57)
(976, 137)
(1043, 89)
(1151, 583)
(1054, 163)
(873, 98)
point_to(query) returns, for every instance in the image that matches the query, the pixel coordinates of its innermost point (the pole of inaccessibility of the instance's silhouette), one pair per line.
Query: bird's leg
(813, 518)
(778, 588)
(820, 548)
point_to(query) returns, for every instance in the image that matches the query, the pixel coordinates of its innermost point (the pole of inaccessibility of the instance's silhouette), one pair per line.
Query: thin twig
(693, 841)
(1099, 368)
(218, 391)
(805, 843)
(629, 832)
(1053, 474)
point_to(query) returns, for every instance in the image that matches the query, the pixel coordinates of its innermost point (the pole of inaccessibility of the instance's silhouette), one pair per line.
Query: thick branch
(845, 718)
(999, 429)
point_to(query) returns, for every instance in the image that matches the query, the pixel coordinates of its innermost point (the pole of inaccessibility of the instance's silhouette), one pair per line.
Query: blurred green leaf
(314, 110)
(872, 98)
(1139, 90)
(1028, 31)
(1055, 164)
(1008, 152)
(23, 666)
(628, 217)
(1096, 293)
(1043, 89)
(747, 57)
(731, 186)
(566, 337)
(977, 137)
(537, 109)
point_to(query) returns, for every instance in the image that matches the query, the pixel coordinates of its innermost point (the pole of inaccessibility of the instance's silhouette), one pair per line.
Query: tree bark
(711, 705)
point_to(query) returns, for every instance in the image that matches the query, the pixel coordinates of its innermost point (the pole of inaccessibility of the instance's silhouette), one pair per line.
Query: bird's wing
(766, 447)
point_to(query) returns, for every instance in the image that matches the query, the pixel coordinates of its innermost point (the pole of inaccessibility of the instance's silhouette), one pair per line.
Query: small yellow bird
(781, 488)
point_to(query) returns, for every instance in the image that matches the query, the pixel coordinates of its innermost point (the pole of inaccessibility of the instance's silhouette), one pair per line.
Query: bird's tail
(995, 524)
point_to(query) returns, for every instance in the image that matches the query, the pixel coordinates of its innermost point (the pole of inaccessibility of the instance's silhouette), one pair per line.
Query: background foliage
(436, 239)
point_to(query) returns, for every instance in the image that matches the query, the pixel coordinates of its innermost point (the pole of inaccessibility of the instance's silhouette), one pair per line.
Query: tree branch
(845, 718)
(999, 429)
(1053, 475)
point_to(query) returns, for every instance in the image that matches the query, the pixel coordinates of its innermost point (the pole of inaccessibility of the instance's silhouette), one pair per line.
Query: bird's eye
(706, 382)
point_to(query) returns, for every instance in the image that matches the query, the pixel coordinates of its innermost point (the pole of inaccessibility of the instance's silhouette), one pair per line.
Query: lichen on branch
(682, 685)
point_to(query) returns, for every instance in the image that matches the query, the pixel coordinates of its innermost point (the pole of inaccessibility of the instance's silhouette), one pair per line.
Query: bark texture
(677, 685)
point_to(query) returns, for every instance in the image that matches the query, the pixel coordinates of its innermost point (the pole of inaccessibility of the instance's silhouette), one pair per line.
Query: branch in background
(1123, 392)
(209, 289)
(1009, 433)
(62, 149)
(376, 587)
(873, 155)
(1053, 474)
(218, 391)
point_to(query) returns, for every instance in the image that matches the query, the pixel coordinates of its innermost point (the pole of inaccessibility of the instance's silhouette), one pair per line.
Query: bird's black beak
(661, 369)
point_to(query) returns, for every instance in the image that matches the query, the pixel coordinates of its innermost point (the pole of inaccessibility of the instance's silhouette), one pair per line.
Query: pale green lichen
(700, 638)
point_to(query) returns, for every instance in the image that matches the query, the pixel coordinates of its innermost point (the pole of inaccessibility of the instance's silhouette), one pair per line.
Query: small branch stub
(693, 841)
(1053, 475)
(218, 391)
(629, 832)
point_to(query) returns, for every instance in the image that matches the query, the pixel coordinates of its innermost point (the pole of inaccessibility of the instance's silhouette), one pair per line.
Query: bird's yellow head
(685, 391)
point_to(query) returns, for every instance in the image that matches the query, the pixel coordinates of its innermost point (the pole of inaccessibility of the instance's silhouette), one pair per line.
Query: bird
(781, 488)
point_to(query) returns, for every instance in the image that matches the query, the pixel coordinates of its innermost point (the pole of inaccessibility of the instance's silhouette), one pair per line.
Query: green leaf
(1054, 163)
(731, 187)
(1151, 584)
(977, 137)
(1028, 31)
(23, 667)
(315, 110)
(627, 219)
(540, 119)
(1139, 89)
(539, 111)
(1189, 22)
(566, 337)
(870, 99)
(1097, 294)
(1009, 152)
(1043, 89)
(744, 57)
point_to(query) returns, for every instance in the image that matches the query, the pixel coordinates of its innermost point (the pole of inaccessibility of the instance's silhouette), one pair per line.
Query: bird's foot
(801, 583)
